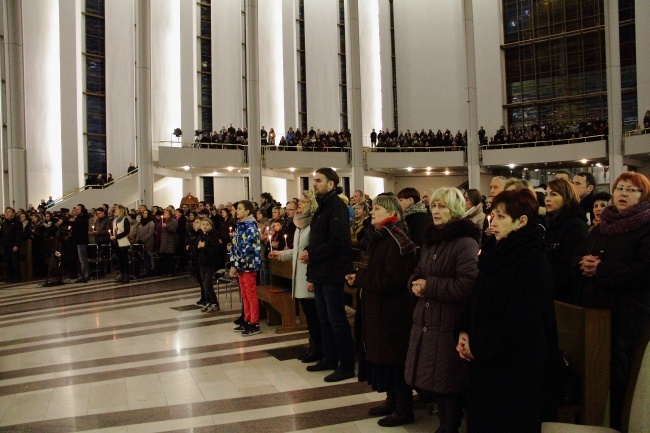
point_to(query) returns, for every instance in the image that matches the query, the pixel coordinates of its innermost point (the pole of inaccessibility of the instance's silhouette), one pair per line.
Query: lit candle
(489, 220)
(109, 232)
(270, 244)
(93, 228)
(230, 229)
(285, 242)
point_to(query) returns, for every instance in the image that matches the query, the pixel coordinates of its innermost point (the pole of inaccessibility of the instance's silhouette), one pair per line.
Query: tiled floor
(133, 358)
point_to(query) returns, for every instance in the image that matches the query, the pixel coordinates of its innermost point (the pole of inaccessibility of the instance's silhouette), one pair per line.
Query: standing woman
(386, 309)
(566, 228)
(302, 290)
(508, 330)
(207, 249)
(168, 242)
(615, 265)
(442, 282)
(145, 236)
(474, 207)
(121, 229)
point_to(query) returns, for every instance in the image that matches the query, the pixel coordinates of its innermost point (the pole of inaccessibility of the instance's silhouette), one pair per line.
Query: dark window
(205, 65)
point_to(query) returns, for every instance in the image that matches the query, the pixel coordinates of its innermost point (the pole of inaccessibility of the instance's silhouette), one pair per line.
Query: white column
(271, 65)
(370, 58)
(253, 103)
(289, 55)
(143, 107)
(614, 104)
(190, 89)
(642, 29)
(72, 104)
(15, 145)
(323, 69)
(120, 85)
(386, 68)
(227, 64)
(355, 120)
(473, 168)
(165, 68)
(42, 92)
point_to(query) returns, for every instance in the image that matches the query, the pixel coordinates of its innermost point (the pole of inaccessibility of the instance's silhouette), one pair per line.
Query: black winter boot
(403, 410)
(386, 408)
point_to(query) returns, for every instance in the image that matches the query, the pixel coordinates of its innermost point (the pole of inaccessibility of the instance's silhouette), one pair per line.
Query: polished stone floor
(141, 357)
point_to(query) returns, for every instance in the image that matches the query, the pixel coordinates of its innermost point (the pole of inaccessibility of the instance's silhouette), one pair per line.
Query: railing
(85, 187)
(274, 148)
(543, 143)
(636, 132)
(383, 149)
(198, 145)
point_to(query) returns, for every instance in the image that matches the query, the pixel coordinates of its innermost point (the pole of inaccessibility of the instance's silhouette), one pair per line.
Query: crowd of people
(546, 132)
(422, 139)
(455, 289)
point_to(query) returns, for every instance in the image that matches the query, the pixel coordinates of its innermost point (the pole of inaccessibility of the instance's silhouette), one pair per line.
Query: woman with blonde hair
(442, 283)
(360, 222)
(301, 289)
(121, 229)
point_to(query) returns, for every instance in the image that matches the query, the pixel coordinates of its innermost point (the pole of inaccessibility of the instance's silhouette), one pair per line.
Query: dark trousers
(308, 306)
(450, 411)
(207, 288)
(12, 263)
(122, 254)
(335, 328)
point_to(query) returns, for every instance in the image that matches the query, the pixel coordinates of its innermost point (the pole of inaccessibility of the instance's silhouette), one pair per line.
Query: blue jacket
(246, 247)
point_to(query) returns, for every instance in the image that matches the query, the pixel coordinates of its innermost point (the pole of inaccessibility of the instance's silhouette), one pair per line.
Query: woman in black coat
(566, 229)
(616, 269)
(508, 328)
(386, 309)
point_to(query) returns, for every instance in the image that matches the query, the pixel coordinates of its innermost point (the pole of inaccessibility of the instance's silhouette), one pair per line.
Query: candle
(270, 244)
(285, 242)
(489, 220)
(230, 229)
(93, 228)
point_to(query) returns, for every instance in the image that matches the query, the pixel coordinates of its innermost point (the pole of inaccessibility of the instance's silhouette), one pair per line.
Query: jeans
(336, 334)
(207, 288)
(248, 287)
(82, 251)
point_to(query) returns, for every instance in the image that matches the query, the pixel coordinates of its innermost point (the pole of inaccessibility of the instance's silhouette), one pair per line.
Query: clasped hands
(418, 286)
(463, 347)
(588, 265)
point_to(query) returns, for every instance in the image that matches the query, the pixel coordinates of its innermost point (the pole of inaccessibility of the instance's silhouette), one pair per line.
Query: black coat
(565, 231)
(79, 233)
(387, 305)
(622, 285)
(208, 254)
(511, 325)
(417, 223)
(330, 247)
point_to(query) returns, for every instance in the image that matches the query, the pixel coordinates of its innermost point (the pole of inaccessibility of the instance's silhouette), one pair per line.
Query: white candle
(230, 229)
(285, 242)
(489, 220)
(270, 243)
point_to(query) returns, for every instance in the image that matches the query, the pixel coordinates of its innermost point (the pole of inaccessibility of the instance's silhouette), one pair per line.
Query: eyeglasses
(628, 189)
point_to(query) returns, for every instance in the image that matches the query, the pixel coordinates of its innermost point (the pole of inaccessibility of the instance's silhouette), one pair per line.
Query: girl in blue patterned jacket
(245, 260)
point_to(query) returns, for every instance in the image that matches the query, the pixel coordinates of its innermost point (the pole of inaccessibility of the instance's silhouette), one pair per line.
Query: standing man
(288, 227)
(266, 204)
(496, 185)
(414, 214)
(79, 236)
(12, 230)
(585, 184)
(373, 138)
(329, 259)
(426, 195)
(357, 197)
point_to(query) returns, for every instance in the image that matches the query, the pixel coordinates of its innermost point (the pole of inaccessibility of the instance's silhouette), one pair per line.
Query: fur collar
(456, 228)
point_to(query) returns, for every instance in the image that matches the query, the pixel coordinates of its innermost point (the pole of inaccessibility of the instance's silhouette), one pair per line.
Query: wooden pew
(585, 336)
(280, 308)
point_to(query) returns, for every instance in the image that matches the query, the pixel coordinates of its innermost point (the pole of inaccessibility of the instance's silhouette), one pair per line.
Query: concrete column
(473, 167)
(143, 107)
(13, 152)
(72, 115)
(289, 55)
(355, 121)
(614, 104)
(15, 145)
(253, 102)
(189, 65)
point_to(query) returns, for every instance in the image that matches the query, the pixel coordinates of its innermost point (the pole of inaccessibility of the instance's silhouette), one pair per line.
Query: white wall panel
(490, 81)
(271, 65)
(120, 86)
(431, 71)
(227, 63)
(277, 187)
(42, 99)
(165, 69)
(289, 47)
(229, 189)
(371, 68)
(323, 70)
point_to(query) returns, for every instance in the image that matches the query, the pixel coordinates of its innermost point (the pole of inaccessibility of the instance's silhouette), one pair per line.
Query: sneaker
(205, 308)
(213, 308)
(251, 330)
(239, 328)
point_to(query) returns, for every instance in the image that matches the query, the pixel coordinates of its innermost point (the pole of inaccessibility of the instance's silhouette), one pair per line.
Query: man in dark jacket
(288, 227)
(79, 236)
(11, 236)
(329, 258)
(415, 214)
(585, 184)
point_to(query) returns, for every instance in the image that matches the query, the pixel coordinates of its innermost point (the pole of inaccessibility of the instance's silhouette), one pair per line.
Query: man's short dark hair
(329, 174)
(591, 180)
(563, 171)
(603, 196)
(409, 193)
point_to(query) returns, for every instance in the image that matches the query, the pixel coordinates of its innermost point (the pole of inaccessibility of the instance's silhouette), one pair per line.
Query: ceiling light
(599, 164)
(447, 172)
(409, 168)
(428, 173)
(537, 169)
(584, 161)
(186, 167)
(291, 169)
(511, 165)
(230, 168)
(428, 168)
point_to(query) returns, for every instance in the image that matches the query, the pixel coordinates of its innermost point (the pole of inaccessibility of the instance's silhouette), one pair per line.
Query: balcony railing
(415, 149)
(85, 187)
(543, 143)
(636, 132)
(198, 145)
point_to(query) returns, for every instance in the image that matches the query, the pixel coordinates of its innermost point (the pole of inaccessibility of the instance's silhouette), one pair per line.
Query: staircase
(123, 190)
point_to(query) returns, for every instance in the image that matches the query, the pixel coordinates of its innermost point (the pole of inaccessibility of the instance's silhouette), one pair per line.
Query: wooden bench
(585, 337)
(280, 308)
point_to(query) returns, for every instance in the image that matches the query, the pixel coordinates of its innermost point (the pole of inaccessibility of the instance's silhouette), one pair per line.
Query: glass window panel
(630, 115)
(545, 88)
(95, 7)
(545, 113)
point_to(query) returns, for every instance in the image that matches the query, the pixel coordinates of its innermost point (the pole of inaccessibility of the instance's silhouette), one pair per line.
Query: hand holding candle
(270, 243)
(286, 247)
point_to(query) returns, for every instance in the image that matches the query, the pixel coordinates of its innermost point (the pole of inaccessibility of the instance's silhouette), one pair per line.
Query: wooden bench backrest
(585, 336)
